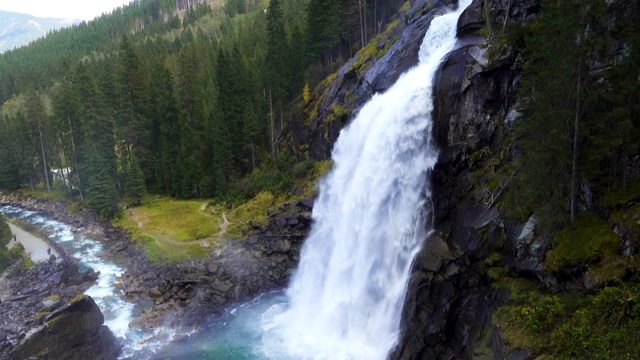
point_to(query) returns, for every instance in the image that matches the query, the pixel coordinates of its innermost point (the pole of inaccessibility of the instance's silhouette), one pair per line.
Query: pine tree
(99, 159)
(103, 197)
(278, 54)
(65, 112)
(11, 154)
(132, 124)
(135, 188)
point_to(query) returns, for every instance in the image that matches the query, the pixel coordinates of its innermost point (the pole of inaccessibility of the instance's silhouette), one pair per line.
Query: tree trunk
(364, 13)
(624, 170)
(271, 126)
(506, 16)
(62, 155)
(574, 167)
(44, 158)
(375, 16)
(75, 157)
(361, 23)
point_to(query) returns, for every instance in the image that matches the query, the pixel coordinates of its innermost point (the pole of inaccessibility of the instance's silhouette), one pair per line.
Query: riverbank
(42, 303)
(38, 249)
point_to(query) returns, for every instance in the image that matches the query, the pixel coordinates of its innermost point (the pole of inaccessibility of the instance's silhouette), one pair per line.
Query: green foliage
(277, 176)
(573, 325)
(5, 232)
(189, 99)
(589, 239)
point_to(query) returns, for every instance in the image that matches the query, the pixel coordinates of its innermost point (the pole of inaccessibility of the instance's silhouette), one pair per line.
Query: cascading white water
(346, 296)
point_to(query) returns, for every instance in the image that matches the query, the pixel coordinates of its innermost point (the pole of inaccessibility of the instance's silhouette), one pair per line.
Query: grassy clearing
(177, 230)
(180, 220)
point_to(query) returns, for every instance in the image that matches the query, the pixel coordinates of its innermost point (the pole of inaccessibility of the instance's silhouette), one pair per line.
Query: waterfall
(346, 296)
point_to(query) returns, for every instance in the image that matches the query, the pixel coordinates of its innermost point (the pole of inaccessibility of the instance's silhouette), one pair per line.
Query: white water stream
(345, 299)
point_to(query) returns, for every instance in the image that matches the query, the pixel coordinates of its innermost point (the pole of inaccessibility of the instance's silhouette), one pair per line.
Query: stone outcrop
(360, 78)
(450, 300)
(74, 331)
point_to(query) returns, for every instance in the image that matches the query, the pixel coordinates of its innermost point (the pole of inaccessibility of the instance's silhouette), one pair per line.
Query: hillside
(20, 29)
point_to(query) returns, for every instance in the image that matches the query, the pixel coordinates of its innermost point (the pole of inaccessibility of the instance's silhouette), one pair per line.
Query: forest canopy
(185, 101)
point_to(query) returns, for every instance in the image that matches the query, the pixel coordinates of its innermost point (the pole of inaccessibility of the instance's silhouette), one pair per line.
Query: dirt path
(35, 247)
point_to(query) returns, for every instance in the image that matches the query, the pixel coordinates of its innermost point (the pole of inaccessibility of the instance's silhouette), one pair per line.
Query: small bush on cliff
(572, 325)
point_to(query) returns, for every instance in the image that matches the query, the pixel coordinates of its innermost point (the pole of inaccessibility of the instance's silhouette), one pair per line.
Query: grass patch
(180, 220)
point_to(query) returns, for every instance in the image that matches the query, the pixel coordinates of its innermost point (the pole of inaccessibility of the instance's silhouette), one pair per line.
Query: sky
(77, 9)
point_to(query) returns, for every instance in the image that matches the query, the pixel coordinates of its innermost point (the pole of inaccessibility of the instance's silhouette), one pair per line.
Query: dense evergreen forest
(580, 98)
(195, 101)
(191, 101)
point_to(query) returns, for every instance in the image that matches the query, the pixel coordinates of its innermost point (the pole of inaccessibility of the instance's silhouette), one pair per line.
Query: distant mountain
(20, 29)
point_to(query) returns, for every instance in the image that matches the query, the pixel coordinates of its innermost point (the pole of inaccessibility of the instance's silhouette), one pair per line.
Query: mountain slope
(20, 29)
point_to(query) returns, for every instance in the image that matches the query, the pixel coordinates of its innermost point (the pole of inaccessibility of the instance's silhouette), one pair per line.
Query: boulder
(75, 331)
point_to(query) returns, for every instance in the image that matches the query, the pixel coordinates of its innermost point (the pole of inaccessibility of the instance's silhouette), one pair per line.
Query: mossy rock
(588, 240)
